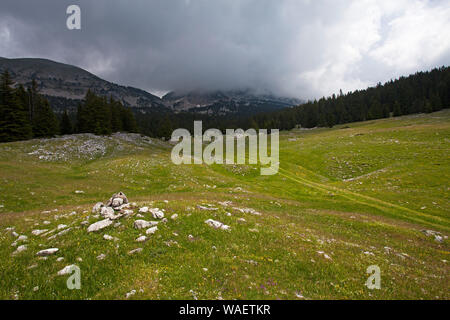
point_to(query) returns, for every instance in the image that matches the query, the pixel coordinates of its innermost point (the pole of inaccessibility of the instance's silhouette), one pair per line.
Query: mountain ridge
(65, 86)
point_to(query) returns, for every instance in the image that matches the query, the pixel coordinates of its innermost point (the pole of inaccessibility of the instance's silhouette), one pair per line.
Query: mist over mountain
(66, 85)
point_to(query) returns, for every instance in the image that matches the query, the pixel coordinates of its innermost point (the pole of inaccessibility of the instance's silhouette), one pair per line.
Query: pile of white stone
(116, 208)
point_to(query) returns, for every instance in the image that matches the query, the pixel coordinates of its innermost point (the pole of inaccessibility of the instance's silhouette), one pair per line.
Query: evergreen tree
(14, 120)
(45, 123)
(66, 124)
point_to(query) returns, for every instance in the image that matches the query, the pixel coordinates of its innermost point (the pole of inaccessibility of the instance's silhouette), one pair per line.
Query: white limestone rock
(99, 225)
(217, 224)
(47, 252)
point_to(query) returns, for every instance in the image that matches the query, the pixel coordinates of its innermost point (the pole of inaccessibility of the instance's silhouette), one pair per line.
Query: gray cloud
(292, 47)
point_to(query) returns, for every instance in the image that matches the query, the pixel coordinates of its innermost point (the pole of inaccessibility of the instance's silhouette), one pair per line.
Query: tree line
(423, 92)
(26, 114)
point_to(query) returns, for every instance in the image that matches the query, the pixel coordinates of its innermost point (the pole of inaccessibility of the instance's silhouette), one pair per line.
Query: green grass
(344, 191)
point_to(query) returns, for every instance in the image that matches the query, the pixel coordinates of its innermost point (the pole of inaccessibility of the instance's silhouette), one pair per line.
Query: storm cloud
(297, 48)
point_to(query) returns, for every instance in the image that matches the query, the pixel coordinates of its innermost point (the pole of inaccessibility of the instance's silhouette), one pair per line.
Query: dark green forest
(25, 114)
(422, 92)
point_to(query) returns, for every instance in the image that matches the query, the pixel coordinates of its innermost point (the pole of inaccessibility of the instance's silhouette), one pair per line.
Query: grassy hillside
(345, 198)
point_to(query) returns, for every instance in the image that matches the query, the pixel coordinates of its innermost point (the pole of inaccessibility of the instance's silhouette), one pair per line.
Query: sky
(297, 48)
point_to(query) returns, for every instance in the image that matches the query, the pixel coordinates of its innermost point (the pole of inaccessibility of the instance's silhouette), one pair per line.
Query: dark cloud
(292, 47)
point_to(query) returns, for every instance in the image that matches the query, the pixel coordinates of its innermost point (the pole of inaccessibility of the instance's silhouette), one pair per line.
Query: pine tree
(66, 124)
(45, 123)
(14, 120)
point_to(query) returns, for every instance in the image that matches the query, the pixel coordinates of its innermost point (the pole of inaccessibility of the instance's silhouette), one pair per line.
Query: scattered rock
(141, 239)
(156, 213)
(99, 225)
(137, 250)
(107, 237)
(248, 210)
(208, 208)
(20, 249)
(143, 210)
(142, 224)
(217, 224)
(66, 270)
(130, 294)
(61, 226)
(22, 238)
(79, 191)
(60, 259)
(101, 256)
(151, 230)
(174, 216)
(47, 252)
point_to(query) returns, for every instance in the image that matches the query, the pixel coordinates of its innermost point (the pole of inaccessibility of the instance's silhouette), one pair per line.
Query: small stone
(151, 230)
(22, 238)
(20, 249)
(66, 270)
(61, 226)
(174, 216)
(47, 252)
(157, 213)
(60, 259)
(129, 294)
(142, 224)
(141, 239)
(137, 250)
(107, 237)
(38, 232)
(101, 256)
(143, 210)
(217, 224)
(35, 288)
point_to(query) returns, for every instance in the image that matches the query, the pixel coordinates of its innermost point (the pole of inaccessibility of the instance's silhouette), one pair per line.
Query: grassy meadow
(344, 199)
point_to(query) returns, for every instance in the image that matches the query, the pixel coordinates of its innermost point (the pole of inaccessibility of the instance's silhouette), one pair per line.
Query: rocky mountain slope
(65, 85)
(223, 102)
